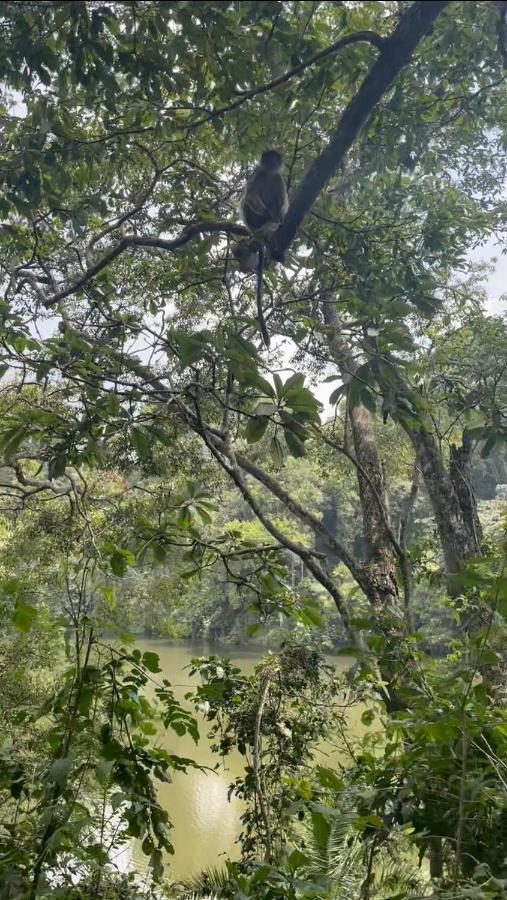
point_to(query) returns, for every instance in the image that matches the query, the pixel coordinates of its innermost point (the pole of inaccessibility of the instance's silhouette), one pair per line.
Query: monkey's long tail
(260, 311)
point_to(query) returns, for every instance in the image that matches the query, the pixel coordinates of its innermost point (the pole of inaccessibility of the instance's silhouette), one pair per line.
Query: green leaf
(142, 443)
(147, 845)
(203, 514)
(329, 779)
(277, 453)
(119, 561)
(295, 381)
(310, 616)
(109, 596)
(298, 860)
(118, 564)
(428, 305)
(191, 347)
(363, 822)
(151, 661)
(23, 616)
(301, 400)
(60, 770)
(337, 394)
(321, 828)
(256, 428)
(253, 379)
(86, 696)
(10, 441)
(148, 728)
(278, 385)
(295, 445)
(127, 638)
(57, 464)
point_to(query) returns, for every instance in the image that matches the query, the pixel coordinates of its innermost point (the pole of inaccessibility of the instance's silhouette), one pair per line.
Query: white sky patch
(496, 281)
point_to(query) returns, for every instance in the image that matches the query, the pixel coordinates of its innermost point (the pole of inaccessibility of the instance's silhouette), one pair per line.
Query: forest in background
(162, 601)
(165, 473)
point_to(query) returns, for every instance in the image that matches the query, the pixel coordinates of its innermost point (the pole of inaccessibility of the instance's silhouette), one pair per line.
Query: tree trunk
(460, 473)
(381, 561)
(459, 537)
(380, 568)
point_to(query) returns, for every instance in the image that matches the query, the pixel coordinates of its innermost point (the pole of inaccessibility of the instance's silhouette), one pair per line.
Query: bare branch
(307, 556)
(134, 240)
(304, 516)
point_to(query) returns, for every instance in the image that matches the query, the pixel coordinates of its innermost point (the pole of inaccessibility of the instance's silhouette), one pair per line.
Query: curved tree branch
(134, 240)
(370, 37)
(317, 570)
(305, 516)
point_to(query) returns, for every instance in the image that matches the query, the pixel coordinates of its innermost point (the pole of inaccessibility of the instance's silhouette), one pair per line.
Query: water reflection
(205, 823)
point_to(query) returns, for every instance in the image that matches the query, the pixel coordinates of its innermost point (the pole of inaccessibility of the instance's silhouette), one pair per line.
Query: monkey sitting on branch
(263, 208)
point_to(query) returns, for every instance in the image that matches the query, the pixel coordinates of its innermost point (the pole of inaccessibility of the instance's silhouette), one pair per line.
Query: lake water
(205, 823)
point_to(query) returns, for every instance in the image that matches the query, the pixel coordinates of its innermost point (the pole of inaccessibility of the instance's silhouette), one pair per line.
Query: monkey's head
(271, 161)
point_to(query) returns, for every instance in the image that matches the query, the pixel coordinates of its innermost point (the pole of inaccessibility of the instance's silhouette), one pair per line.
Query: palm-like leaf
(210, 884)
(342, 861)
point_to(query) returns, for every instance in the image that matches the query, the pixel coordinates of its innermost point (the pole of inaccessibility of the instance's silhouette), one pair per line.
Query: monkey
(263, 209)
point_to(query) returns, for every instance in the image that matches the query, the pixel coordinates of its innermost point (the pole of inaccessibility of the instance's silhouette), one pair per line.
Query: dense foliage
(164, 472)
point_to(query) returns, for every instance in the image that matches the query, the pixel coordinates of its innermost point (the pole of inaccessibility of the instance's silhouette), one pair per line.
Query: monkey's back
(265, 200)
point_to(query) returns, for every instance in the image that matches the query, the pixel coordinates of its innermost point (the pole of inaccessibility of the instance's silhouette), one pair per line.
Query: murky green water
(206, 824)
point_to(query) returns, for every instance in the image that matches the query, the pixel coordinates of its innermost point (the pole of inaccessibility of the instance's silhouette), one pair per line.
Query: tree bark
(381, 584)
(459, 538)
(460, 474)
(459, 535)
(381, 562)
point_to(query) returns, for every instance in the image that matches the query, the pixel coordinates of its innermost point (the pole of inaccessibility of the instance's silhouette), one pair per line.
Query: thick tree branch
(457, 536)
(304, 515)
(377, 530)
(317, 570)
(502, 30)
(396, 53)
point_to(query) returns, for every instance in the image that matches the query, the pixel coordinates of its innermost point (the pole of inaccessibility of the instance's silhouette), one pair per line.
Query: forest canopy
(165, 472)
